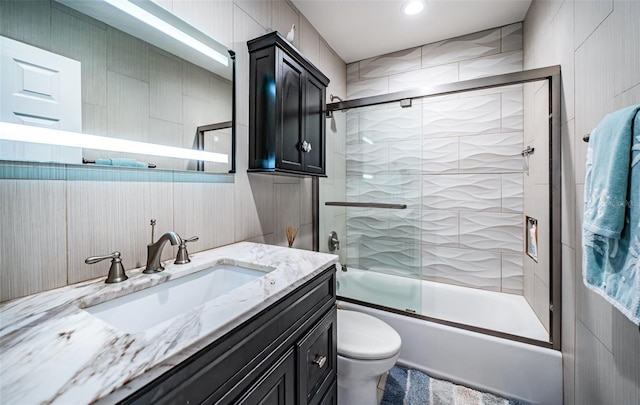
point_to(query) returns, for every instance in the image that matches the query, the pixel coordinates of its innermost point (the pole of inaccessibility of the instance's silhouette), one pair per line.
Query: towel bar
(366, 205)
(586, 138)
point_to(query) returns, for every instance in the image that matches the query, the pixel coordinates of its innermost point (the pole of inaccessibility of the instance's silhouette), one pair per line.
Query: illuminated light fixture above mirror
(155, 22)
(412, 7)
(160, 28)
(24, 133)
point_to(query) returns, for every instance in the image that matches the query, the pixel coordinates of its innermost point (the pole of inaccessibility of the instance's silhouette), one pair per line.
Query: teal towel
(611, 223)
(121, 162)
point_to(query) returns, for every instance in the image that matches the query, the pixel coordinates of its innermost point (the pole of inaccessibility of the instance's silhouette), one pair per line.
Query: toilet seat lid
(362, 336)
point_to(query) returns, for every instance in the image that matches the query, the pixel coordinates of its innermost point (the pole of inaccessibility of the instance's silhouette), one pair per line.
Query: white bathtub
(502, 312)
(502, 366)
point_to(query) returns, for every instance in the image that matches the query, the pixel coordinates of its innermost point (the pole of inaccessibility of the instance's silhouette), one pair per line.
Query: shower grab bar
(366, 205)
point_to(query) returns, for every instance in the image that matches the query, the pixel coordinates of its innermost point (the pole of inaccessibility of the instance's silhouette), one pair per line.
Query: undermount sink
(143, 309)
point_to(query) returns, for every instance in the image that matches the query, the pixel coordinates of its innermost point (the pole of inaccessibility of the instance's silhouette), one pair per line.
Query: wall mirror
(129, 74)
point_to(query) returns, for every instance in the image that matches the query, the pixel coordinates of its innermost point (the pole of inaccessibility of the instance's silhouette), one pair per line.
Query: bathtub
(507, 313)
(505, 367)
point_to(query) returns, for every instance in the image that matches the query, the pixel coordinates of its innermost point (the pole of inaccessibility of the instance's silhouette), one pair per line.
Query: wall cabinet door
(314, 126)
(291, 113)
(278, 71)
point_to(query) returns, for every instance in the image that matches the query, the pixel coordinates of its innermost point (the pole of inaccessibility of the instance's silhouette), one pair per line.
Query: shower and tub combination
(448, 227)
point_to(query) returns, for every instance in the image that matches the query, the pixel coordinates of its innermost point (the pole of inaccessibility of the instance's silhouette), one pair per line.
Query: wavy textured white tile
(353, 188)
(512, 192)
(388, 254)
(470, 268)
(464, 116)
(367, 88)
(511, 37)
(353, 72)
(440, 155)
(478, 192)
(352, 135)
(371, 223)
(507, 62)
(392, 188)
(389, 64)
(440, 227)
(491, 231)
(92, 360)
(364, 158)
(492, 90)
(424, 78)
(405, 224)
(512, 274)
(512, 111)
(461, 48)
(404, 157)
(495, 153)
(390, 124)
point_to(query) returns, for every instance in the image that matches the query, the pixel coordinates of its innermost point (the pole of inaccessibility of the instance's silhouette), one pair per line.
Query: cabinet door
(262, 110)
(277, 386)
(314, 122)
(317, 354)
(289, 136)
(331, 397)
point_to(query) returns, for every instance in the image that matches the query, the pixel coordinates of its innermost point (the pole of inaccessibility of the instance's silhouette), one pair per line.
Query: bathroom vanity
(271, 339)
(284, 355)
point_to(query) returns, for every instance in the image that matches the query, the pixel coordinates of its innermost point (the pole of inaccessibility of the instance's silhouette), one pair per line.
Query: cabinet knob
(320, 360)
(306, 146)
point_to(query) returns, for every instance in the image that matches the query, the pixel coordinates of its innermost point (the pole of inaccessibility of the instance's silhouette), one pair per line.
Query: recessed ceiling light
(412, 7)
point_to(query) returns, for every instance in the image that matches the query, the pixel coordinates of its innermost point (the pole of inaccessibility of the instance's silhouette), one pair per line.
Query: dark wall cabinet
(287, 98)
(285, 355)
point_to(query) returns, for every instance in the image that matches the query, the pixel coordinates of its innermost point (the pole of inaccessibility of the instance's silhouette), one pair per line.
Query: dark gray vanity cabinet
(287, 98)
(284, 355)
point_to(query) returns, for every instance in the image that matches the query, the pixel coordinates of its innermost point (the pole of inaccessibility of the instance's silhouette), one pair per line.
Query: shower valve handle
(334, 242)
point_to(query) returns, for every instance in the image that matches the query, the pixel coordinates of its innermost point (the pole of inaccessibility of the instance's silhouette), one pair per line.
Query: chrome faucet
(154, 251)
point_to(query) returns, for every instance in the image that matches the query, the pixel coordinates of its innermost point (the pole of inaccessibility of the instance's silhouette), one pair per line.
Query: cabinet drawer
(317, 360)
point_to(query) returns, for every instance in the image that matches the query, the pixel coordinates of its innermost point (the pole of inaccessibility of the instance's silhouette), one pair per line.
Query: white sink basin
(143, 309)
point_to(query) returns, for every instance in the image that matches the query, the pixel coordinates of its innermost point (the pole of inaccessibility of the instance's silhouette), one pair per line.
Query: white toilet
(367, 348)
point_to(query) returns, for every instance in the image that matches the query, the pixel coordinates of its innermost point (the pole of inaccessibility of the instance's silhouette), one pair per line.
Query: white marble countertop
(52, 351)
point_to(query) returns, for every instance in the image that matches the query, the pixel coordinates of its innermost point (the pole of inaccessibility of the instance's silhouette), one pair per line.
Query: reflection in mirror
(65, 70)
(216, 138)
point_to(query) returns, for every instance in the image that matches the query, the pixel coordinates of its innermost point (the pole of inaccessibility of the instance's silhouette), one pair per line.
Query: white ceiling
(360, 29)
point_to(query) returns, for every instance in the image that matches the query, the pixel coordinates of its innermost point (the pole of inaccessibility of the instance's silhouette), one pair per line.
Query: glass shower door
(380, 220)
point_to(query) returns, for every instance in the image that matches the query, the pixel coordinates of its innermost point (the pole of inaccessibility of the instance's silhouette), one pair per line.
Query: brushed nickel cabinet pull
(320, 360)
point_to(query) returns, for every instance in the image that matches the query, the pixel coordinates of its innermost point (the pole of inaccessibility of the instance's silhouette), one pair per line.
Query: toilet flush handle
(320, 360)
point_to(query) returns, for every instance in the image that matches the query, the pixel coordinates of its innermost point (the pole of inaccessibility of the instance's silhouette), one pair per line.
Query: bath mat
(406, 386)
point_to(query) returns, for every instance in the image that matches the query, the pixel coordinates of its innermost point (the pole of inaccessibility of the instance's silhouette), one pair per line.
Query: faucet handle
(183, 255)
(116, 271)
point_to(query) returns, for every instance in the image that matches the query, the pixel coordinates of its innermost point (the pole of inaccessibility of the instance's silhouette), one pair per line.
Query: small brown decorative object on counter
(291, 234)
